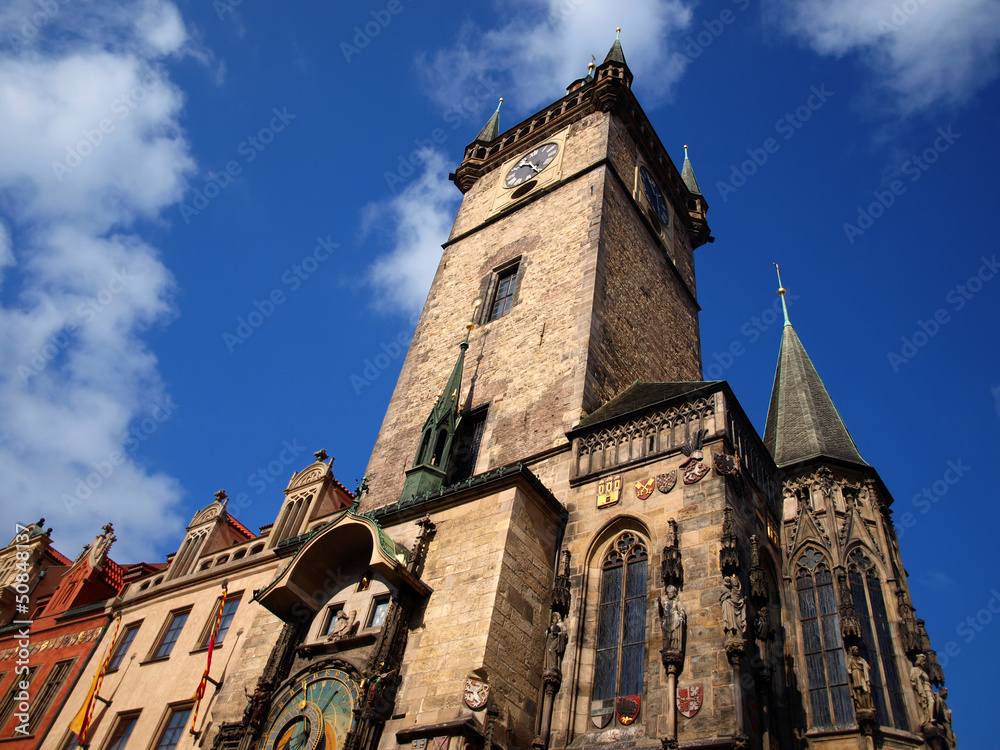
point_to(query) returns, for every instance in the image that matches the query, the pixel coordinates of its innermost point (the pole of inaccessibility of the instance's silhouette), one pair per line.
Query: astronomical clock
(314, 712)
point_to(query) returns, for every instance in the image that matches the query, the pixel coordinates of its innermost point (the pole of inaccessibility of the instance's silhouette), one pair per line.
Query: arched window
(876, 639)
(621, 626)
(829, 695)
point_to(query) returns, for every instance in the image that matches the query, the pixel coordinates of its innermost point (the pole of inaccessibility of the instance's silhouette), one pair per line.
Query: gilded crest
(609, 490)
(644, 489)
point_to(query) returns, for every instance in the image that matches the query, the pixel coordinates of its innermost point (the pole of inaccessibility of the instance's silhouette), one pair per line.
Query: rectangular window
(228, 613)
(378, 612)
(331, 617)
(172, 633)
(52, 685)
(174, 729)
(470, 438)
(503, 298)
(122, 732)
(9, 700)
(124, 644)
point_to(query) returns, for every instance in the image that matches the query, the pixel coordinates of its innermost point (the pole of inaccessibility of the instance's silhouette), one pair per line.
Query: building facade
(565, 538)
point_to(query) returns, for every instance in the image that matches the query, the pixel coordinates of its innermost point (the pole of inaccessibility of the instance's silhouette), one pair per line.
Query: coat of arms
(477, 693)
(609, 490)
(689, 700)
(601, 712)
(726, 465)
(695, 472)
(666, 482)
(693, 468)
(644, 489)
(627, 708)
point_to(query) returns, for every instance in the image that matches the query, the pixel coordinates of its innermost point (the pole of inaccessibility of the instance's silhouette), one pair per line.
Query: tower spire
(781, 292)
(437, 440)
(687, 174)
(802, 421)
(615, 54)
(492, 127)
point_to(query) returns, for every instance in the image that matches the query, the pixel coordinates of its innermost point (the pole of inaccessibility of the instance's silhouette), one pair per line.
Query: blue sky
(170, 169)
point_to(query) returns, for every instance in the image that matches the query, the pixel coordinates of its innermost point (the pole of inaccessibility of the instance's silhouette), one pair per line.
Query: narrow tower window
(829, 696)
(621, 622)
(504, 296)
(876, 639)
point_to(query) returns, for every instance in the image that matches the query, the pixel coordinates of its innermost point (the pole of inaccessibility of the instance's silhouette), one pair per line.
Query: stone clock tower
(566, 538)
(577, 231)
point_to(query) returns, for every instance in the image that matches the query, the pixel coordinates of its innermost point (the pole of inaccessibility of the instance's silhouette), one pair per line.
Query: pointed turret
(492, 127)
(687, 174)
(802, 422)
(438, 438)
(616, 54)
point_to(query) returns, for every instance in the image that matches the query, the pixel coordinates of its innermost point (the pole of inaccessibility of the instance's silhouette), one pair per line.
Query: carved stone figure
(860, 679)
(673, 620)
(923, 691)
(555, 643)
(945, 717)
(343, 626)
(734, 616)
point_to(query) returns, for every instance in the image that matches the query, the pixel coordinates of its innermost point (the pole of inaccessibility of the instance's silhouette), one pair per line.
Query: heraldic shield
(666, 482)
(627, 708)
(644, 489)
(689, 700)
(601, 712)
(477, 693)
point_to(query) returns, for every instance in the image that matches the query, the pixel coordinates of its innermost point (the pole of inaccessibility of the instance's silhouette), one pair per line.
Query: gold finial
(619, 30)
(592, 64)
(781, 293)
(685, 151)
(472, 324)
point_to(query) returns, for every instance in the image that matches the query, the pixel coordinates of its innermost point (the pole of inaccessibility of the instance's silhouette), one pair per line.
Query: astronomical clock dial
(531, 164)
(654, 196)
(314, 713)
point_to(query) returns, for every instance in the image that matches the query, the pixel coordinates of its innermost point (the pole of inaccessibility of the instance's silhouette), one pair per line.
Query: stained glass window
(621, 626)
(829, 695)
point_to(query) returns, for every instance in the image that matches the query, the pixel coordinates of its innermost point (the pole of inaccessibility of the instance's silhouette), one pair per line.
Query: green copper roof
(615, 54)
(492, 127)
(687, 174)
(802, 421)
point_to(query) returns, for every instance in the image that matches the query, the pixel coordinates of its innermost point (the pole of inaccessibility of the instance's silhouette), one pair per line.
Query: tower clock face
(654, 196)
(314, 713)
(531, 164)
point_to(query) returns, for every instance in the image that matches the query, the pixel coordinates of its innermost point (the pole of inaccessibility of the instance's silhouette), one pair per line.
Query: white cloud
(91, 145)
(923, 51)
(548, 43)
(420, 219)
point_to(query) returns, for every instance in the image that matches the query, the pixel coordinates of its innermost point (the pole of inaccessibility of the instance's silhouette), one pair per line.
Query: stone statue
(673, 620)
(342, 626)
(734, 616)
(945, 718)
(555, 643)
(923, 691)
(860, 679)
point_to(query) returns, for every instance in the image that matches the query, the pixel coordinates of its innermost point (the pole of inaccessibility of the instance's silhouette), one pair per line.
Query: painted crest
(644, 489)
(477, 694)
(440, 743)
(726, 465)
(601, 712)
(666, 482)
(419, 744)
(689, 700)
(609, 491)
(627, 708)
(695, 472)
